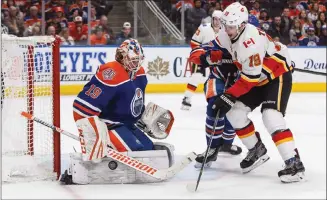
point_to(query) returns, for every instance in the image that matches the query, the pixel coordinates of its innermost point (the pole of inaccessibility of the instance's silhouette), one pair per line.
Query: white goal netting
(27, 85)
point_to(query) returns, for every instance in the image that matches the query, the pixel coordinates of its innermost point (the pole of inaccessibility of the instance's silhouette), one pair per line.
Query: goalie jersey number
(137, 103)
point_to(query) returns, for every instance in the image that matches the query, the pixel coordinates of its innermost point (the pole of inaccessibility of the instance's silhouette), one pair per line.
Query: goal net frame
(31, 43)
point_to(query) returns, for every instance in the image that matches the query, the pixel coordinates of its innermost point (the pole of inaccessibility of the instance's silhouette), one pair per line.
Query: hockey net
(29, 82)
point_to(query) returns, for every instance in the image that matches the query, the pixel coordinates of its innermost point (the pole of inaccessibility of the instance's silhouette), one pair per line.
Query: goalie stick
(161, 174)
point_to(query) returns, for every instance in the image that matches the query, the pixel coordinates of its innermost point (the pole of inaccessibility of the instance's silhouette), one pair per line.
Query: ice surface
(306, 117)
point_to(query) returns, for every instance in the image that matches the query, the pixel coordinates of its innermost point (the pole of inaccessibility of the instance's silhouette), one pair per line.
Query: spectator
(318, 26)
(304, 21)
(98, 38)
(294, 11)
(15, 22)
(66, 39)
(313, 14)
(125, 33)
(296, 30)
(34, 30)
(108, 32)
(214, 6)
(286, 20)
(255, 10)
(103, 7)
(51, 31)
(322, 17)
(264, 19)
(323, 37)
(310, 39)
(33, 17)
(193, 18)
(78, 30)
(94, 21)
(277, 30)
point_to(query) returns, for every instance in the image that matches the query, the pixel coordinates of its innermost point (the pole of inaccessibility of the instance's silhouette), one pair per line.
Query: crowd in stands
(292, 22)
(67, 19)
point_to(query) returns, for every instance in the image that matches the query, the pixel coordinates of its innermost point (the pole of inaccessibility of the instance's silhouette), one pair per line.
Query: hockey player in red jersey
(266, 80)
(110, 113)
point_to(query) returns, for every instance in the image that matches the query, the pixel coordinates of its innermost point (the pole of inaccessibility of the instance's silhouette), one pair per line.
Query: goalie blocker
(91, 166)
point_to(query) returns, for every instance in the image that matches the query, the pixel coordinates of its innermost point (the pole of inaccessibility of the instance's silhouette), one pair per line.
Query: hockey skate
(293, 171)
(212, 156)
(230, 149)
(255, 157)
(186, 103)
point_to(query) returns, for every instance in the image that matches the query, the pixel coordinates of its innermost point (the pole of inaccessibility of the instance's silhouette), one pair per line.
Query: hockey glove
(223, 103)
(212, 57)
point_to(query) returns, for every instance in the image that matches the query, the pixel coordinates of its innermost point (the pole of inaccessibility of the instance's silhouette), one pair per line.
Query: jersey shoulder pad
(140, 72)
(112, 74)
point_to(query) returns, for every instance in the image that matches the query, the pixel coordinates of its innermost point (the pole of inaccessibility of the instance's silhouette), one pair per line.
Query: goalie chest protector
(112, 95)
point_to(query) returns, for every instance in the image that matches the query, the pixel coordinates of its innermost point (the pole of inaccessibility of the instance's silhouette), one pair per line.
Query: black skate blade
(259, 162)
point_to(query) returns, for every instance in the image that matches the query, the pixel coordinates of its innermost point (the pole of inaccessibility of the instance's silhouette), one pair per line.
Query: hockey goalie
(110, 113)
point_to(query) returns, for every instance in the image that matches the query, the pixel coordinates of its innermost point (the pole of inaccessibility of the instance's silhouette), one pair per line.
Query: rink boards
(168, 69)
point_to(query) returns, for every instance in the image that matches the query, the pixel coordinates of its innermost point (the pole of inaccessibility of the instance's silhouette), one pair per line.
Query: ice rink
(306, 117)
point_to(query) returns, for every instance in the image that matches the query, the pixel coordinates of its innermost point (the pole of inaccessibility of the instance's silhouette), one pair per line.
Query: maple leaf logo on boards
(158, 68)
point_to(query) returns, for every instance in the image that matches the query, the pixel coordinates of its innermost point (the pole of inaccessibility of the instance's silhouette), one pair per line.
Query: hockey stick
(161, 174)
(310, 72)
(193, 188)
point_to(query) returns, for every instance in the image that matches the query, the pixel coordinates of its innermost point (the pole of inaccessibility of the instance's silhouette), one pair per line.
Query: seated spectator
(58, 19)
(103, 7)
(214, 6)
(193, 19)
(294, 12)
(34, 30)
(286, 20)
(125, 33)
(77, 29)
(33, 17)
(14, 22)
(313, 14)
(277, 30)
(98, 38)
(318, 26)
(94, 20)
(323, 37)
(108, 32)
(66, 39)
(51, 31)
(322, 17)
(255, 10)
(305, 22)
(310, 39)
(296, 30)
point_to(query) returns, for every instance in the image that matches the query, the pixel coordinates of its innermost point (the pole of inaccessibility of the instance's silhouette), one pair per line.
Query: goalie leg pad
(169, 148)
(93, 138)
(109, 171)
(129, 139)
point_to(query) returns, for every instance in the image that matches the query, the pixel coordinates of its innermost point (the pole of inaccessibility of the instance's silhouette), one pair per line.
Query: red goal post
(30, 81)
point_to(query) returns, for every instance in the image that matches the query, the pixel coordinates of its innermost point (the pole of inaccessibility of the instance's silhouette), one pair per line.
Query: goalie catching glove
(156, 121)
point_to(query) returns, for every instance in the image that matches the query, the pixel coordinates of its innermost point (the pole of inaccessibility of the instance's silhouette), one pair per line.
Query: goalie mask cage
(30, 81)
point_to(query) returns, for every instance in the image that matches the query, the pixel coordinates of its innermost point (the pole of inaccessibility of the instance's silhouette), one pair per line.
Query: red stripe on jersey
(79, 106)
(240, 87)
(116, 142)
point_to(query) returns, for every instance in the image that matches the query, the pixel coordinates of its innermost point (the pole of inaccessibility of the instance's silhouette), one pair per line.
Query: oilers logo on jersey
(137, 103)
